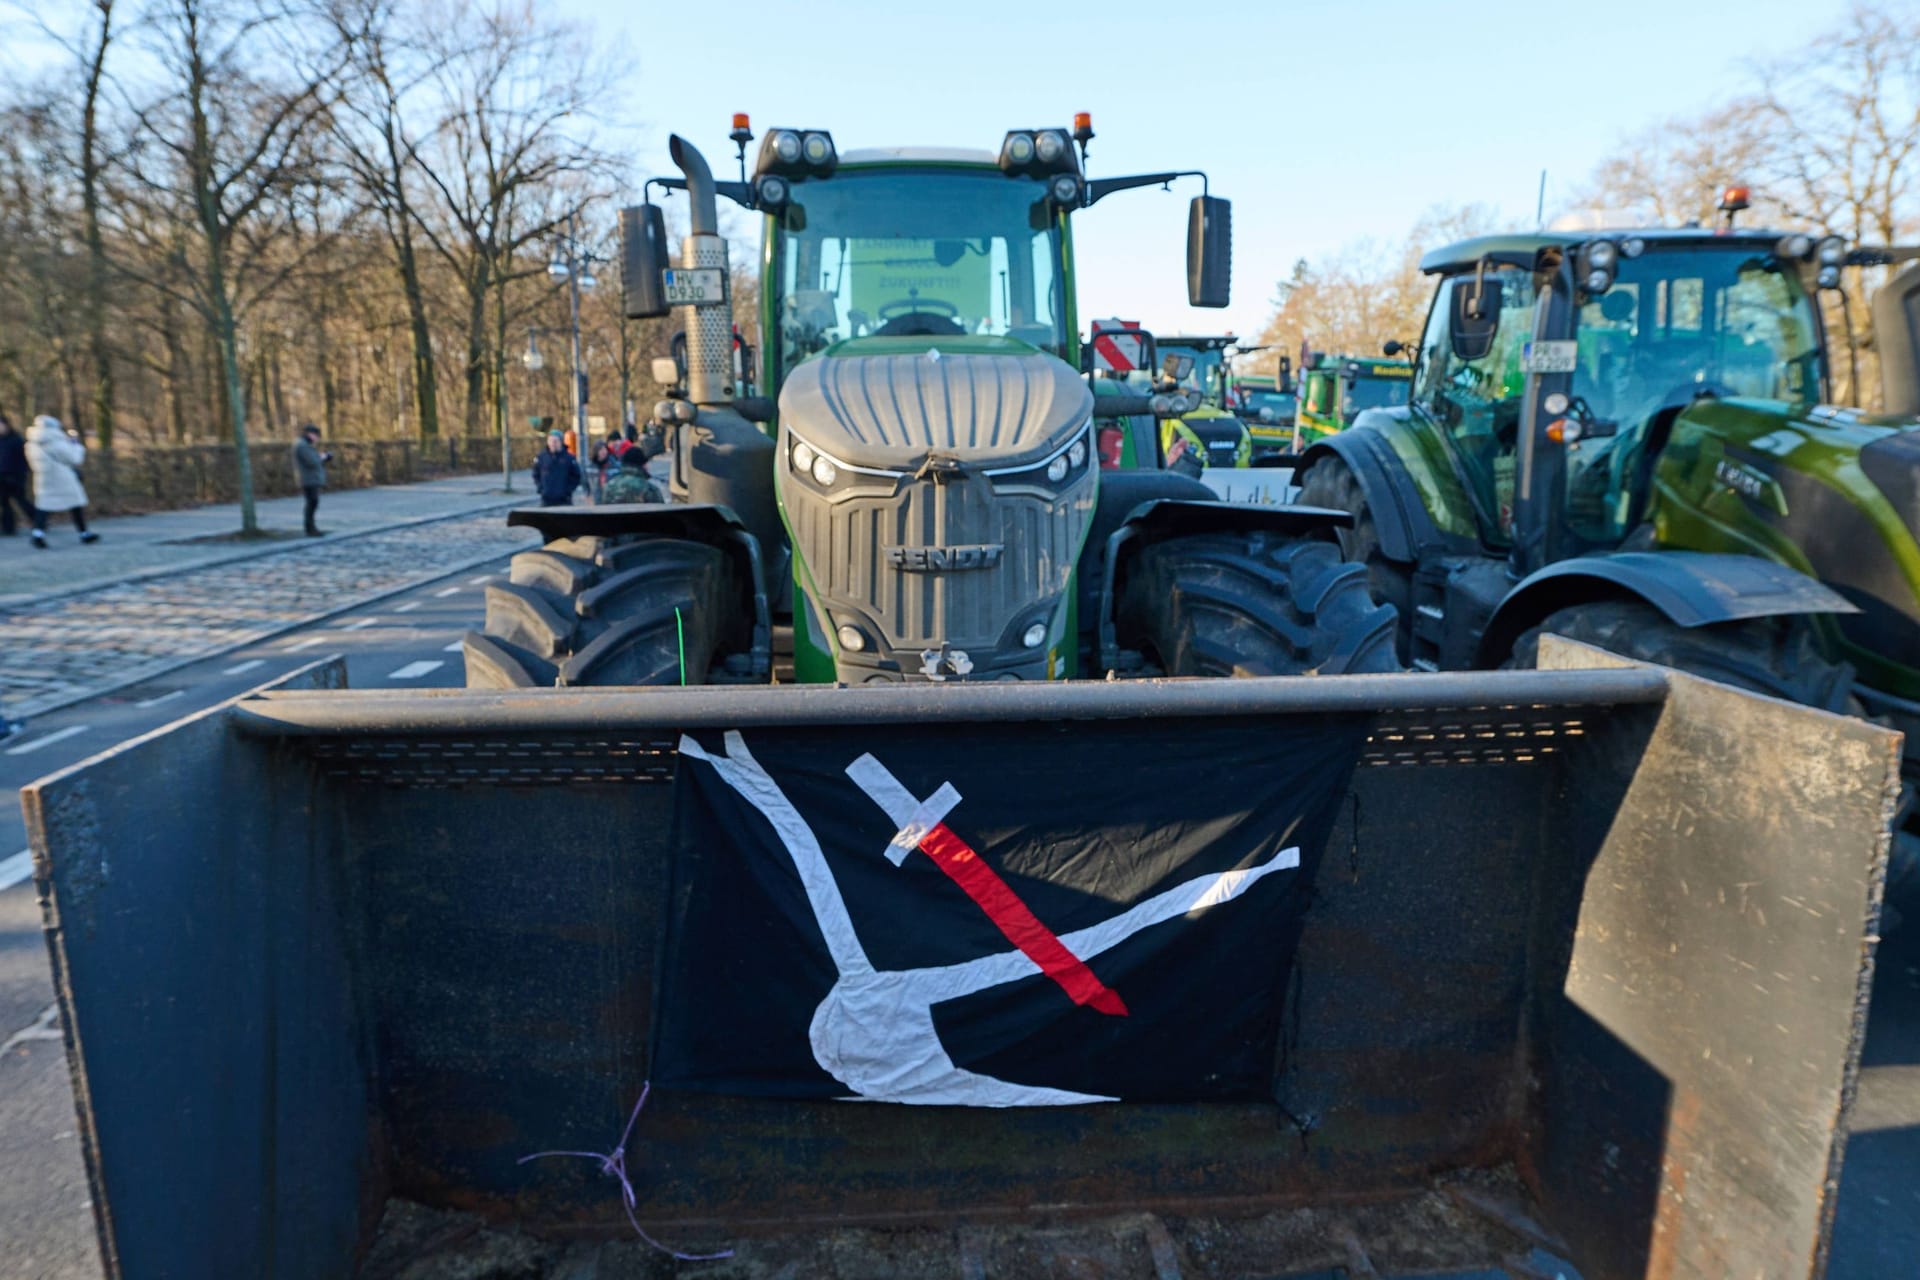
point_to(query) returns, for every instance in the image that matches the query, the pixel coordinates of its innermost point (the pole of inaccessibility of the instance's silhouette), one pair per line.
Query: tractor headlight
(803, 456)
(1017, 151)
(1066, 465)
(824, 472)
(1828, 277)
(1049, 145)
(1833, 252)
(773, 192)
(1160, 405)
(817, 149)
(1602, 255)
(1794, 248)
(1034, 636)
(1632, 247)
(786, 146)
(1598, 281)
(1065, 190)
(851, 638)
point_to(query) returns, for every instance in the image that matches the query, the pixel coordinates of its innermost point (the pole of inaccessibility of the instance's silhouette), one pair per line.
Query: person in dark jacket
(310, 470)
(556, 473)
(16, 478)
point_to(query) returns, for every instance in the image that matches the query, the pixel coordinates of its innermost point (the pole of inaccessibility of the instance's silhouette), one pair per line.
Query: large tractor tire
(1772, 656)
(1331, 483)
(608, 611)
(1226, 604)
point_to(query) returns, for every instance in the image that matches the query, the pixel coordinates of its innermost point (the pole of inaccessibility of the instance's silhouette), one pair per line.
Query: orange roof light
(1734, 199)
(740, 120)
(1082, 127)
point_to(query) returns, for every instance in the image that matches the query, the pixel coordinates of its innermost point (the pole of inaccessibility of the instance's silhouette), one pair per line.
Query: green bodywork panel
(1722, 484)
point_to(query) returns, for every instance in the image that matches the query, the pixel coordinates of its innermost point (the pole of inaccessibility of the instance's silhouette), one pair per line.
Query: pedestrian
(16, 478)
(55, 453)
(310, 470)
(630, 481)
(556, 473)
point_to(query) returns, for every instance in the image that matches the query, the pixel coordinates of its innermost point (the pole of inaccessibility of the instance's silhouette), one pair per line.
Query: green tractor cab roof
(1463, 254)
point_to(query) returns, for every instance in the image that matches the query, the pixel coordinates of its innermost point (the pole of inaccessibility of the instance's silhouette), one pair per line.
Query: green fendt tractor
(1623, 437)
(923, 501)
(1335, 390)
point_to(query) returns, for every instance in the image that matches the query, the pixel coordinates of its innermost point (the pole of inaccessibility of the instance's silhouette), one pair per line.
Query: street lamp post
(573, 263)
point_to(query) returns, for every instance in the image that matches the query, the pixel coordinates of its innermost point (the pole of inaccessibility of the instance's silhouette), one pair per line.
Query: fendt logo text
(945, 559)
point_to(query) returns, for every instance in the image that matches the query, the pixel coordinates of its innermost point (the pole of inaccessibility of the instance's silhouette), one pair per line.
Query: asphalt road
(412, 640)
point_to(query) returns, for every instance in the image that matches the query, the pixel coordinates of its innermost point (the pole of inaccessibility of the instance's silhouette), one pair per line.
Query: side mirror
(1177, 367)
(1392, 347)
(643, 256)
(1209, 251)
(1474, 315)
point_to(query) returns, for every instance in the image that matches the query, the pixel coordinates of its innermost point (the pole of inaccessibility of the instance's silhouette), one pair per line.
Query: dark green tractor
(1625, 438)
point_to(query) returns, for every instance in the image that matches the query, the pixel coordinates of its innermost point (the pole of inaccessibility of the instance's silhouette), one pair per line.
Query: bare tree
(506, 160)
(230, 149)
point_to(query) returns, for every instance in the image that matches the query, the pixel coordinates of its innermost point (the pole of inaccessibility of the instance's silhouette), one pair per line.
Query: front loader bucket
(1577, 984)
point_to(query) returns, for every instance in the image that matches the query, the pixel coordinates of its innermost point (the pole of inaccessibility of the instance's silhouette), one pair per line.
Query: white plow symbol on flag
(874, 1031)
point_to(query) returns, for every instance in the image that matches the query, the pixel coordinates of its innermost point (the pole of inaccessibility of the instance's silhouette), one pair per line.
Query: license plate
(695, 286)
(1549, 357)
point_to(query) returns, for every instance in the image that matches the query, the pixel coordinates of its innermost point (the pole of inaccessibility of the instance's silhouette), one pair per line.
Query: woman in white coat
(55, 454)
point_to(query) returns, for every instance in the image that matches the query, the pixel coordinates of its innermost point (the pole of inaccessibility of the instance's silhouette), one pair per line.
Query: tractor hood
(890, 408)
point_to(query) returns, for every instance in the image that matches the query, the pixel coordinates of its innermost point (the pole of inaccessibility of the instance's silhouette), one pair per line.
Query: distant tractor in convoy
(924, 500)
(1269, 405)
(1335, 390)
(1623, 437)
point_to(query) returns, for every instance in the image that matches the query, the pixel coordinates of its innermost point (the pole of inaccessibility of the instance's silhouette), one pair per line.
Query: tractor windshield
(1364, 393)
(1678, 325)
(918, 252)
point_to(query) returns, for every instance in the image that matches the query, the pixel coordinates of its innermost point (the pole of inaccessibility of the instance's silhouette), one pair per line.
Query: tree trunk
(96, 250)
(476, 348)
(227, 336)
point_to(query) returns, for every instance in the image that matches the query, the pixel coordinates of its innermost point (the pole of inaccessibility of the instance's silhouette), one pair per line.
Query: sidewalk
(79, 621)
(134, 547)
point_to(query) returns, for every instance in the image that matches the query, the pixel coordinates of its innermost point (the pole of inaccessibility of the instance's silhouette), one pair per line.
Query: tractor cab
(1335, 390)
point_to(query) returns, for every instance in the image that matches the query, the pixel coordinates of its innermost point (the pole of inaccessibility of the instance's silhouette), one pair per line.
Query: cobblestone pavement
(85, 644)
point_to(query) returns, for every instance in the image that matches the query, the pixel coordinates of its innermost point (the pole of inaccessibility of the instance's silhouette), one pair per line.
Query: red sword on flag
(922, 826)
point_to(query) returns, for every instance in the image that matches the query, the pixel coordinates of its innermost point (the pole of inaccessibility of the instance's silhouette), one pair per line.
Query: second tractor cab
(1336, 390)
(1268, 405)
(918, 496)
(1623, 437)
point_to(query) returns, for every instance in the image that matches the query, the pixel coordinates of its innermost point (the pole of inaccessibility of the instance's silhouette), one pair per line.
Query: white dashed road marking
(15, 869)
(450, 591)
(363, 623)
(408, 607)
(414, 670)
(46, 740)
(239, 667)
(308, 643)
(455, 647)
(483, 578)
(165, 697)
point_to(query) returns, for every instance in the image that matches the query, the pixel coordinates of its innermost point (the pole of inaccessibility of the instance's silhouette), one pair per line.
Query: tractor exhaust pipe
(709, 327)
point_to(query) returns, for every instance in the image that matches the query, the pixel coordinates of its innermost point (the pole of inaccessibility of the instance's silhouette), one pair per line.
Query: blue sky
(1323, 122)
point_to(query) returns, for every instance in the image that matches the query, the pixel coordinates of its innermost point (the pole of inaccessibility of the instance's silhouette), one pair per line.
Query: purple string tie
(614, 1165)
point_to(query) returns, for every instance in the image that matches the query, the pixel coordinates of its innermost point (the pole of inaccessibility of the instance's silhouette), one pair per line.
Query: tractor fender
(1692, 588)
(695, 522)
(1399, 516)
(1160, 518)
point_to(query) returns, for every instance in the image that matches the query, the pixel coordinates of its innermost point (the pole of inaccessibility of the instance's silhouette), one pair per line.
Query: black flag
(958, 916)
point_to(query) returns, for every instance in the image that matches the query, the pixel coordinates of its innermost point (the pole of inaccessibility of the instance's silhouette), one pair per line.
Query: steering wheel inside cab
(920, 318)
